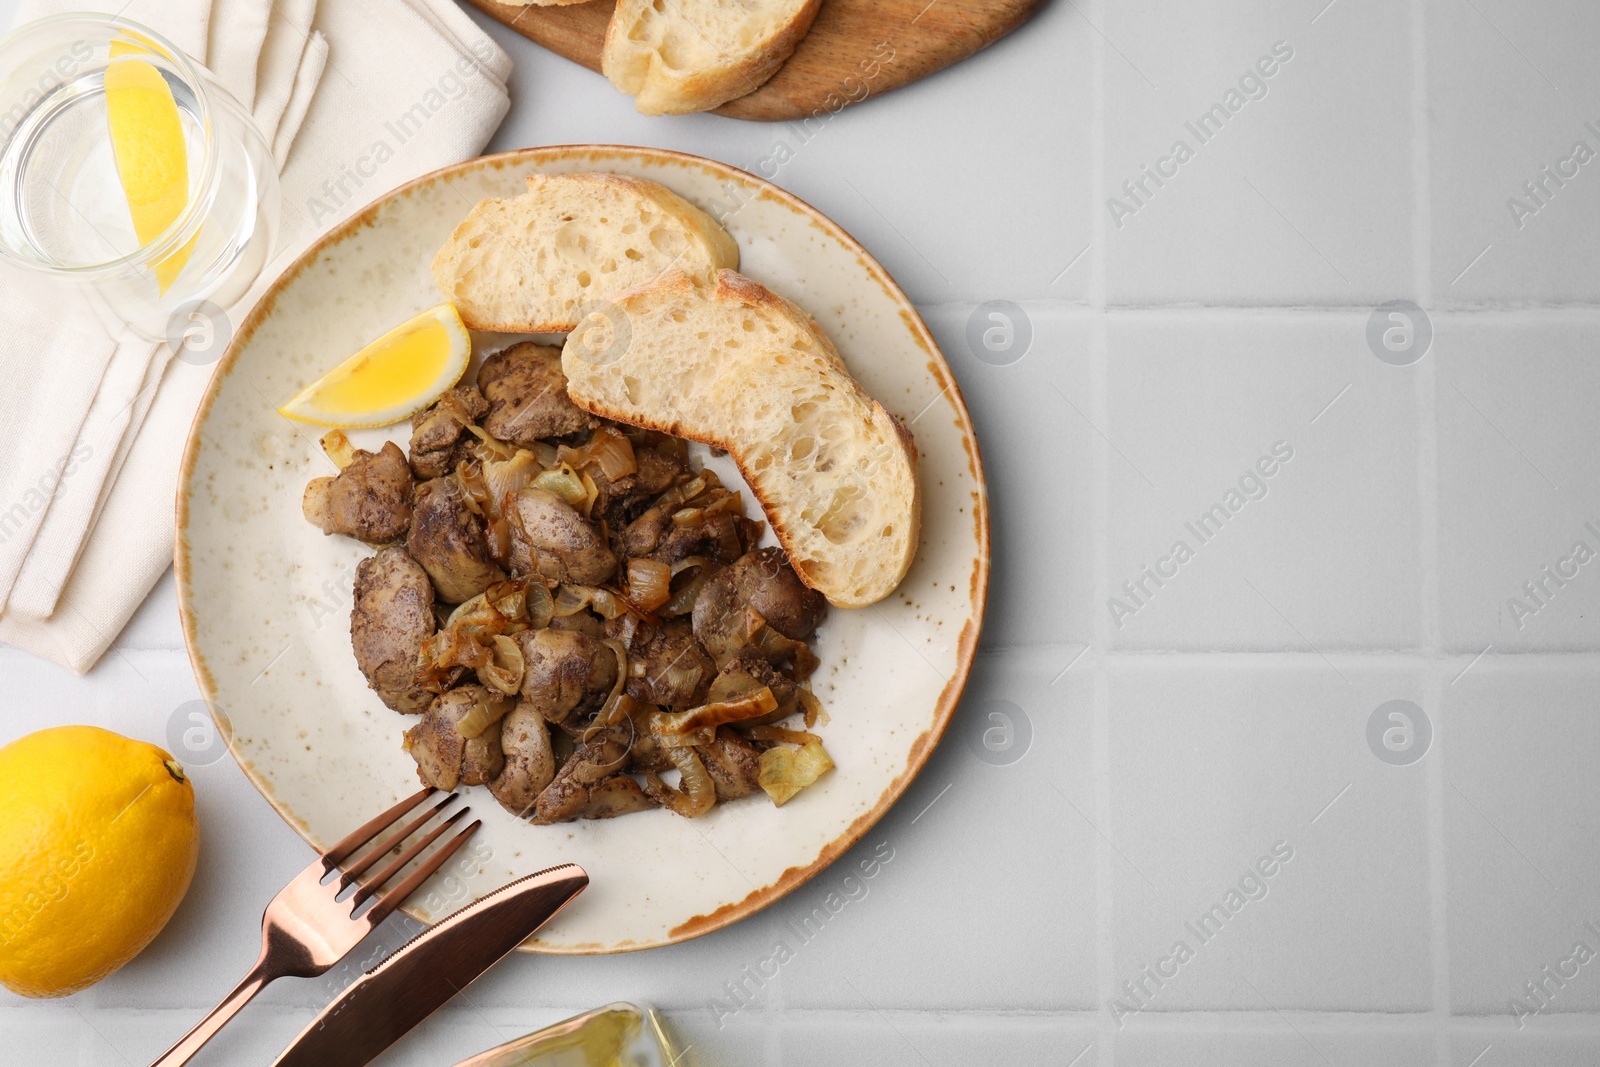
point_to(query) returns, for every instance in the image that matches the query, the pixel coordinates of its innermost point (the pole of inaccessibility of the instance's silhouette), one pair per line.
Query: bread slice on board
(529, 263)
(727, 362)
(694, 55)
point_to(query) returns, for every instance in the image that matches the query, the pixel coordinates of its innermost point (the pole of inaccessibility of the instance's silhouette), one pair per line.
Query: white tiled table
(1176, 742)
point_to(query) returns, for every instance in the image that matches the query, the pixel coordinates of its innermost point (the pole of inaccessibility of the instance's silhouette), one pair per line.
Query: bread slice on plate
(529, 263)
(724, 361)
(679, 56)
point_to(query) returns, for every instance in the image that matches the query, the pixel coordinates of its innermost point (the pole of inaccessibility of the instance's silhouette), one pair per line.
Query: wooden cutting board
(856, 49)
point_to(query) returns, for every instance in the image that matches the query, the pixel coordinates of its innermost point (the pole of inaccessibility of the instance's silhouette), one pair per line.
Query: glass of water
(68, 212)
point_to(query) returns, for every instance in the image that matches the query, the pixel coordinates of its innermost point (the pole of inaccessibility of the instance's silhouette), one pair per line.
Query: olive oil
(617, 1035)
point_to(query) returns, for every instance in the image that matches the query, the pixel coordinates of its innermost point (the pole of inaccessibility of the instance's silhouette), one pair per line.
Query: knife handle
(206, 1029)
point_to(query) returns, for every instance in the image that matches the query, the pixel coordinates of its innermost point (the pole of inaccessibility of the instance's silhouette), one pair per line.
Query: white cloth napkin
(93, 453)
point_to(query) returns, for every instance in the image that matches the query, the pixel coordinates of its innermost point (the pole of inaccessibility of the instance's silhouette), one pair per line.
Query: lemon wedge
(392, 378)
(152, 159)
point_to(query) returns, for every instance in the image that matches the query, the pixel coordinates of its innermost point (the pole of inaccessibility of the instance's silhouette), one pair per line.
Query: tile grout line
(1104, 874)
(1294, 657)
(1089, 305)
(1428, 549)
(1099, 262)
(1438, 869)
(1100, 724)
(1208, 1021)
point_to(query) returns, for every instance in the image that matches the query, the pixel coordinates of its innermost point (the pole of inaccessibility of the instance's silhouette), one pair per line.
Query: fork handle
(206, 1029)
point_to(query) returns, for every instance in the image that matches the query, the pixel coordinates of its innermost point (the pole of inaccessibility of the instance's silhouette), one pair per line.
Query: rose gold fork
(307, 928)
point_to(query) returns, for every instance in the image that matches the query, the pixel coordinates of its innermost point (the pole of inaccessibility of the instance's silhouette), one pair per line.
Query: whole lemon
(98, 843)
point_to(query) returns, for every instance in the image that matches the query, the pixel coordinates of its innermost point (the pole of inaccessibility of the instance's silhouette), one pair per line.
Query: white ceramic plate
(265, 596)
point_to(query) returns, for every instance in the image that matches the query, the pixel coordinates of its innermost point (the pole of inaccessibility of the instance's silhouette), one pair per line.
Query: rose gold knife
(382, 1005)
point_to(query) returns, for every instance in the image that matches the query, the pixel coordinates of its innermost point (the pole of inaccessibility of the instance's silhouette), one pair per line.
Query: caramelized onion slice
(815, 714)
(685, 491)
(497, 532)
(338, 448)
(731, 686)
(668, 738)
(614, 699)
(751, 705)
(468, 611)
(453, 647)
(502, 477)
(468, 477)
(481, 717)
(695, 794)
(618, 704)
(649, 583)
(613, 452)
(780, 733)
(678, 679)
(505, 667)
(564, 482)
(775, 647)
(588, 773)
(502, 608)
(682, 600)
(785, 771)
(591, 493)
(488, 446)
(522, 604)
(571, 599)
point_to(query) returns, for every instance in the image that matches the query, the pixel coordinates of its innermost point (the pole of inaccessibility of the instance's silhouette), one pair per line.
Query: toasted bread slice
(528, 263)
(694, 55)
(727, 362)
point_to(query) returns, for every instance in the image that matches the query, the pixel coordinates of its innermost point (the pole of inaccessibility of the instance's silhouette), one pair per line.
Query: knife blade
(384, 1004)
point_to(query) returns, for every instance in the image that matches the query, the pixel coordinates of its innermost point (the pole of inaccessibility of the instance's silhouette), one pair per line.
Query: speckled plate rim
(949, 696)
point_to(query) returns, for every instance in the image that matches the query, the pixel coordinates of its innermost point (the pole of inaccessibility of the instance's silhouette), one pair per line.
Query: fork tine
(376, 882)
(391, 842)
(341, 851)
(397, 896)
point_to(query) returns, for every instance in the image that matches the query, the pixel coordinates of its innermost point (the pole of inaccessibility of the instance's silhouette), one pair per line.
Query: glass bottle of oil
(617, 1035)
